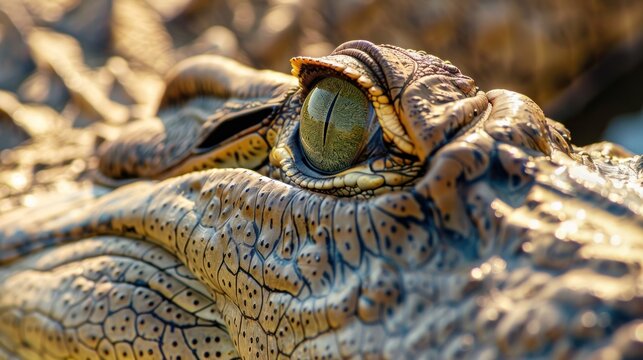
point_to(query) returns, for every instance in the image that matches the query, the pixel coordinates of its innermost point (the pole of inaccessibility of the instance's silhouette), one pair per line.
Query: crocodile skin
(472, 228)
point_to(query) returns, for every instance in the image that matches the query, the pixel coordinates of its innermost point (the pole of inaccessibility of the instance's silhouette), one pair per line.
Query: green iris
(334, 124)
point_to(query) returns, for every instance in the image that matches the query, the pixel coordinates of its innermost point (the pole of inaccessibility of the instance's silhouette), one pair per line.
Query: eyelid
(309, 79)
(308, 70)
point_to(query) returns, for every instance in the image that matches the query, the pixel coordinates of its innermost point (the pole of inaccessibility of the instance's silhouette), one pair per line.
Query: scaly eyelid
(311, 70)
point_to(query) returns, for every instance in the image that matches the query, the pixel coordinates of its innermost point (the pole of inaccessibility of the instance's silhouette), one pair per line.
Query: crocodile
(375, 204)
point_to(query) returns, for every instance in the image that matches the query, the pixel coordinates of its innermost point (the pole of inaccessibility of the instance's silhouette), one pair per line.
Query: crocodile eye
(334, 124)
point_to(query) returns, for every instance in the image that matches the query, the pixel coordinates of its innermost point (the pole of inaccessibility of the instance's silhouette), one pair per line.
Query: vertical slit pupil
(328, 115)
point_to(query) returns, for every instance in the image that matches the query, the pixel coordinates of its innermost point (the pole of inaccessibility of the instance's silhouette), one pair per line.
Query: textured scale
(108, 297)
(471, 228)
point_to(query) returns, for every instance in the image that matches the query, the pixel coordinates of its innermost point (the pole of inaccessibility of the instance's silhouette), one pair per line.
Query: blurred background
(74, 63)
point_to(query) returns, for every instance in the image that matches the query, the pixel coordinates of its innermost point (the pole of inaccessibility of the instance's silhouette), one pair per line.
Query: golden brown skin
(470, 227)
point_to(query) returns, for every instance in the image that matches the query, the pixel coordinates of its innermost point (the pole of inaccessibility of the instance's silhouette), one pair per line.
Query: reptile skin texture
(469, 226)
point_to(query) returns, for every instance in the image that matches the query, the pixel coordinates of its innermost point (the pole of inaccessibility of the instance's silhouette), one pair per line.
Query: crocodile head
(364, 121)
(376, 204)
